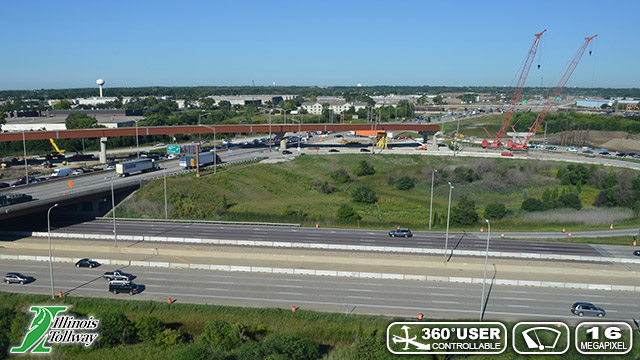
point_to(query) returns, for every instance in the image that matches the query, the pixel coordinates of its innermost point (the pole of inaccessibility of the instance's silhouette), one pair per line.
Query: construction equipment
(522, 143)
(57, 153)
(515, 97)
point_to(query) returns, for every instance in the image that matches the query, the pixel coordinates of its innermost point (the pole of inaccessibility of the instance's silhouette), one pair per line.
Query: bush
(495, 211)
(570, 200)
(324, 187)
(464, 213)
(347, 212)
(463, 174)
(364, 194)
(406, 183)
(341, 176)
(148, 328)
(291, 347)
(533, 204)
(219, 334)
(116, 329)
(171, 337)
(199, 352)
(364, 168)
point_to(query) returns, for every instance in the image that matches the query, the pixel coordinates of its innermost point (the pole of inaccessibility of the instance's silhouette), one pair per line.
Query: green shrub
(115, 329)
(324, 187)
(464, 213)
(291, 347)
(495, 211)
(570, 200)
(148, 328)
(341, 176)
(219, 334)
(199, 352)
(532, 204)
(364, 168)
(171, 337)
(364, 194)
(406, 183)
(347, 212)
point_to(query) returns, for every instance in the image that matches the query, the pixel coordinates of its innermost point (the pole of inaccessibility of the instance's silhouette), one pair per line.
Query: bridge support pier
(103, 150)
(283, 144)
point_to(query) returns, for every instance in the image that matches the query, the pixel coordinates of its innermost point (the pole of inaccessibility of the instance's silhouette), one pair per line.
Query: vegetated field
(153, 330)
(307, 191)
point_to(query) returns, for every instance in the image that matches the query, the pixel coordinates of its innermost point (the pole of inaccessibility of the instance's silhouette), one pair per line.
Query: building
(337, 107)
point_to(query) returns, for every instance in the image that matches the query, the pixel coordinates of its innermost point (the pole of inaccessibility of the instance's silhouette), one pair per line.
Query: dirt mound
(610, 140)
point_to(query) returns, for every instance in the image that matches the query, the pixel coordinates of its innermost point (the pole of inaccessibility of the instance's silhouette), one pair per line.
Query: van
(122, 286)
(65, 171)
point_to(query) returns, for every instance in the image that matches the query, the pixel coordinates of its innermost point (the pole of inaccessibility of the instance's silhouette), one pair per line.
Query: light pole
(486, 259)
(446, 238)
(431, 204)
(166, 209)
(113, 210)
(50, 259)
(137, 144)
(26, 167)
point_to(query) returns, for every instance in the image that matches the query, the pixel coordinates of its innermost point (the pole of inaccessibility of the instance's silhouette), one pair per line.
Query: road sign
(173, 149)
(70, 183)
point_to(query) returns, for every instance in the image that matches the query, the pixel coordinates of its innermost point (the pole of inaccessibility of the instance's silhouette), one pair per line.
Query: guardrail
(212, 222)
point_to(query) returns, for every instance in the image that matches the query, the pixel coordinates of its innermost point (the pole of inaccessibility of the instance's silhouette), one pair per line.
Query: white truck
(136, 166)
(206, 158)
(60, 172)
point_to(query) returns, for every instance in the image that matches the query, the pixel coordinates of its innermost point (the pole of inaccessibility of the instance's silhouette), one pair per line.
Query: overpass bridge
(104, 133)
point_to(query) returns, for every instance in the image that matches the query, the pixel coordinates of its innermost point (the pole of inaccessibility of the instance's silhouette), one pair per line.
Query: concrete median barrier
(158, 264)
(220, 267)
(282, 271)
(178, 265)
(240, 268)
(258, 269)
(199, 266)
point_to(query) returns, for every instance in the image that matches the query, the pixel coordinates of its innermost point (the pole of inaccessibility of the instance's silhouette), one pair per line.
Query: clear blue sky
(70, 44)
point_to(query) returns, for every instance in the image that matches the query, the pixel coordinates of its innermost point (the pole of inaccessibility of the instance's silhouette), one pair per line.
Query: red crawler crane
(522, 143)
(515, 98)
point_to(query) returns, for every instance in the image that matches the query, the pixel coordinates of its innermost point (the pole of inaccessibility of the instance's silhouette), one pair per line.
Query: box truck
(206, 158)
(136, 166)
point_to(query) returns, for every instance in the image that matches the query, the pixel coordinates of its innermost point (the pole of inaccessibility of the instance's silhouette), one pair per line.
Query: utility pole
(26, 167)
(431, 204)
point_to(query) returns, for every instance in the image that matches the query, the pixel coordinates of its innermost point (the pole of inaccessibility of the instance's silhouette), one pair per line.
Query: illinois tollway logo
(50, 327)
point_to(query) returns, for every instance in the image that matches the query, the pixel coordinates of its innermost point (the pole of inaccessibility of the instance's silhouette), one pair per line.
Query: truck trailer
(206, 158)
(136, 166)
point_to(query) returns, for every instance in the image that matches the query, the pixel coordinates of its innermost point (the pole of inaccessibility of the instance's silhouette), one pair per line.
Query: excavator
(57, 153)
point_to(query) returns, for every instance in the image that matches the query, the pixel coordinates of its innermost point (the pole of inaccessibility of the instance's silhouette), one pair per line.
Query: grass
(341, 336)
(285, 192)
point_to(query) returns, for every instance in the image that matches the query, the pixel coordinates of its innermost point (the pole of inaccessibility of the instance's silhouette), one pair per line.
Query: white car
(572, 149)
(172, 156)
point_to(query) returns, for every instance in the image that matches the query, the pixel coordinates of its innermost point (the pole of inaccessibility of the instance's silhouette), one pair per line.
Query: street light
(113, 210)
(446, 238)
(137, 144)
(50, 259)
(26, 167)
(486, 259)
(431, 204)
(166, 209)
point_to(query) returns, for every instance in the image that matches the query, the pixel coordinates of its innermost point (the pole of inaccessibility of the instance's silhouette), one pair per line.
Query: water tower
(100, 82)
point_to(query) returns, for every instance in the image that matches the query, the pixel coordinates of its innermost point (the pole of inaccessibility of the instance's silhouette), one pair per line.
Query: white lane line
(220, 282)
(445, 302)
(519, 306)
(290, 293)
(363, 290)
(160, 279)
(288, 286)
(439, 294)
(517, 291)
(359, 297)
(216, 289)
(515, 298)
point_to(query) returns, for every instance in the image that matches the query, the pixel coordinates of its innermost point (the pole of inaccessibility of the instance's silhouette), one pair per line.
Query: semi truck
(206, 158)
(136, 166)
(12, 199)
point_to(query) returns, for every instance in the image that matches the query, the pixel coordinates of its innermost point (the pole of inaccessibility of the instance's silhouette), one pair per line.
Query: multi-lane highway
(421, 239)
(360, 296)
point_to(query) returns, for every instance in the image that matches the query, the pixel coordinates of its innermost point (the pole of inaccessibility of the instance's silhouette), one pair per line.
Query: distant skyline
(70, 44)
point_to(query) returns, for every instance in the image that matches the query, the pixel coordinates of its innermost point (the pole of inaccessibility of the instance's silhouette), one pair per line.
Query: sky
(69, 44)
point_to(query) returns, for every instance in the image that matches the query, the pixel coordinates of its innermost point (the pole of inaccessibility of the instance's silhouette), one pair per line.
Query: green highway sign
(173, 149)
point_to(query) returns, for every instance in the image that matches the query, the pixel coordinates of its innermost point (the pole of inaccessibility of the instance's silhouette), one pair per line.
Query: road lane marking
(445, 302)
(359, 297)
(190, 247)
(438, 294)
(183, 260)
(159, 279)
(214, 289)
(518, 306)
(290, 293)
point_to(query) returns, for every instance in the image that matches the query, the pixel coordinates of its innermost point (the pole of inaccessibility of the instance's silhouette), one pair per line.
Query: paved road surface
(362, 296)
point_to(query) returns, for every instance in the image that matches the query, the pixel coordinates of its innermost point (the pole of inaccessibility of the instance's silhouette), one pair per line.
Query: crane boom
(515, 98)
(522, 145)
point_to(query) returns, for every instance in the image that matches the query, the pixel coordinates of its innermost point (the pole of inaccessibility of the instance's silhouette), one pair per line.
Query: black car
(636, 252)
(286, 152)
(584, 308)
(334, 150)
(4, 185)
(364, 150)
(122, 286)
(14, 277)
(400, 232)
(87, 263)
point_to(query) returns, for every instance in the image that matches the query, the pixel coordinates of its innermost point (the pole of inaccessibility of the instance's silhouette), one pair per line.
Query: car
(551, 148)
(111, 165)
(286, 152)
(172, 156)
(87, 263)
(118, 275)
(604, 153)
(77, 171)
(364, 150)
(4, 185)
(587, 152)
(14, 277)
(572, 149)
(334, 150)
(122, 286)
(401, 232)
(636, 252)
(160, 144)
(338, 135)
(584, 308)
(506, 153)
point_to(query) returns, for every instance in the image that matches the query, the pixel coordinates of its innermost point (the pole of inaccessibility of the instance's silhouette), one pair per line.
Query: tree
(62, 105)
(554, 194)
(495, 211)
(438, 100)
(364, 168)
(340, 176)
(546, 195)
(80, 121)
(532, 204)
(405, 183)
(219, 334)
(148, 328)
(292, 347)
(570, 200)
(347, 212)
(464, 213)
(115, 329)
(364, 194)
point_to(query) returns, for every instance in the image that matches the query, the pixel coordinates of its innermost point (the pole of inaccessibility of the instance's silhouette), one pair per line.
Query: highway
(342, 295)
(421, 239)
